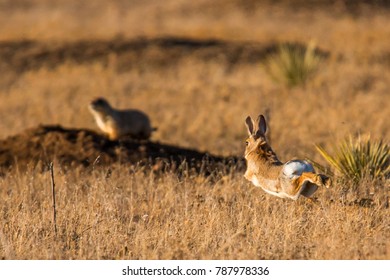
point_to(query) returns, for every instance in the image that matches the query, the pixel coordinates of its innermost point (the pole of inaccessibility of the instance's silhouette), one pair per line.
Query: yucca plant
(292, 65)
(359, 159)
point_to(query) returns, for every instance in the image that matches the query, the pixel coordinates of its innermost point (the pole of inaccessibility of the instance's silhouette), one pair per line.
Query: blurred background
(319, 69)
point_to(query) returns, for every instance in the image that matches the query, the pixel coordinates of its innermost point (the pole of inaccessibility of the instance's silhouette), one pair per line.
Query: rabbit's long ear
(261, 125)
(249, 125)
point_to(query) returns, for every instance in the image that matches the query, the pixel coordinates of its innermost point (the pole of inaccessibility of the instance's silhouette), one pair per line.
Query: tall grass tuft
(292, 65)
(359, 159)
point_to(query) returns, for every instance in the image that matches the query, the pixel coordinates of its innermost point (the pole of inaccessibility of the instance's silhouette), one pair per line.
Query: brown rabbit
(117, 123)
(265, 170)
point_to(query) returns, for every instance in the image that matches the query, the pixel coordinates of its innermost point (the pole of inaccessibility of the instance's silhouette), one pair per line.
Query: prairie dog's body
(285, 180)
(117, 123)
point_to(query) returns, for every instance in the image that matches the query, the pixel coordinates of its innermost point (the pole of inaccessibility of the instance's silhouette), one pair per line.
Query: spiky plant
(358, 159)
(292, 65)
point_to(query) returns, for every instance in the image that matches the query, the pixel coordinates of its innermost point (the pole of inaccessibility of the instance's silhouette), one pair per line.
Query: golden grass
(199, 104)
(138, 215)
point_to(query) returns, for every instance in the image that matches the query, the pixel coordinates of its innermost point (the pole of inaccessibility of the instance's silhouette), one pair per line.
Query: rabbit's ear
(261, 125)
(249, 125)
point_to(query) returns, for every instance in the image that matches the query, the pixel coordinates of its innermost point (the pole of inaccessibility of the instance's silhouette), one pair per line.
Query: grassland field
(195, 67)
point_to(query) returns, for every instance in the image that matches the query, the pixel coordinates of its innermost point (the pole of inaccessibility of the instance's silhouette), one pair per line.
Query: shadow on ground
(20, 56)
(37, 147)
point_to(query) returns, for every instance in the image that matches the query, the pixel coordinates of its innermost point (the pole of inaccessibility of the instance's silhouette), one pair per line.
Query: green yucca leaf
(355, 160)
(292, 65)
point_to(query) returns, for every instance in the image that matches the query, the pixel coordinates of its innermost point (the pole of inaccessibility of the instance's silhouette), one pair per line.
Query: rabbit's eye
(246, 142)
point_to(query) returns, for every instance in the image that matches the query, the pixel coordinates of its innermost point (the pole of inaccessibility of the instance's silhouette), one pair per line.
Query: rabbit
(118, 123)
(286, 180)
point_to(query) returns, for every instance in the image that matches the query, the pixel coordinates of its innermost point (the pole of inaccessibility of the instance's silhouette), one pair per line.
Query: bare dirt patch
(81, 147)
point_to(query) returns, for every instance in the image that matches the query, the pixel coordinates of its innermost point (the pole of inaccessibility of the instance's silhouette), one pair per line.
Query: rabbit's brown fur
(265, 170)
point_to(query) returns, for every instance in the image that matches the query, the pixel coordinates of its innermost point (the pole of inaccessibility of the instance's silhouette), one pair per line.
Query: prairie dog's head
(99, 105)
(256, 140)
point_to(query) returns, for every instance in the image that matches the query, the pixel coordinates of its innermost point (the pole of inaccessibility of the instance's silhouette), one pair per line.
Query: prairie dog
(117, 123)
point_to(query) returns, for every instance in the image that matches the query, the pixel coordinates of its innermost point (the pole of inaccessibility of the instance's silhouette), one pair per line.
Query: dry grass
(137, 215)
(200, 104)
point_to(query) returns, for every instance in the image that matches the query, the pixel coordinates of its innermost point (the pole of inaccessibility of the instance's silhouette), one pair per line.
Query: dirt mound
(81, 147)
